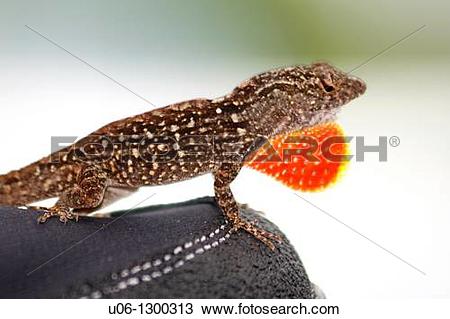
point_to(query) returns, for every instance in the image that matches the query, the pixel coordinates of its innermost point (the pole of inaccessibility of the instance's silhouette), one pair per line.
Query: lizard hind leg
(87, 194)
(224, 197)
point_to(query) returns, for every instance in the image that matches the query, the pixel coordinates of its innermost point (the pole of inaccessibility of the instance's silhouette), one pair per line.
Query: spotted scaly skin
(184, 140)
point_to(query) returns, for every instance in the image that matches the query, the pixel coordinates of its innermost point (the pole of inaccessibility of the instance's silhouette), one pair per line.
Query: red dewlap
(307, 160)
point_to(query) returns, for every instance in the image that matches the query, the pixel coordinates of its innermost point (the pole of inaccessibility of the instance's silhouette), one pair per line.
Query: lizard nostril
(358, 85)
(363, 87)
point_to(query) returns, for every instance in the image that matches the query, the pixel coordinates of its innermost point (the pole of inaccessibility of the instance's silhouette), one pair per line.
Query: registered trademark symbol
(394, 141)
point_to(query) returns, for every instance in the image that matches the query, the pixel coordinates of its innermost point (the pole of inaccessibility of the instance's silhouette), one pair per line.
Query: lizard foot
(64, 213)
(264, 236)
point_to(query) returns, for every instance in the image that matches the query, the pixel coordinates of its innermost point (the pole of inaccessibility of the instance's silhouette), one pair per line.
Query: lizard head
(325, 87)
(300, 96)
(320, 91)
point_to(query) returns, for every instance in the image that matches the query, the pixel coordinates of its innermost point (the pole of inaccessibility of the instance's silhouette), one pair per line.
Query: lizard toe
(262, 235)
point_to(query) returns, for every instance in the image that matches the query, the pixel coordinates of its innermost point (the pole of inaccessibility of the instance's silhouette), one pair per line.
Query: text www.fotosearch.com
(251, 309)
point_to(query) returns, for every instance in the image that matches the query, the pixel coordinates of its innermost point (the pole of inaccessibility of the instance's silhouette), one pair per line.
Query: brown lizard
(184, 140)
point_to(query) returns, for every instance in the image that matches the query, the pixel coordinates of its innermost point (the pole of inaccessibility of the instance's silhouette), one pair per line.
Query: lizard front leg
(86, 194)
(223, 176)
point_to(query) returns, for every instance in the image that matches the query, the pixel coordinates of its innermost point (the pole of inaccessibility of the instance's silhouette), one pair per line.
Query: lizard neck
(276, 114)
(268, 122)
(269, 116)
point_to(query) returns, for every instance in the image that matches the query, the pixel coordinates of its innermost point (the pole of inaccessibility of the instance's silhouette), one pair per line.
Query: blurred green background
(294, 29)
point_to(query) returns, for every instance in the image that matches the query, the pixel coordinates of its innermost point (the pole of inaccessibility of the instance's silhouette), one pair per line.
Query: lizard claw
(43, 218)
(264, 236)
(64, 213)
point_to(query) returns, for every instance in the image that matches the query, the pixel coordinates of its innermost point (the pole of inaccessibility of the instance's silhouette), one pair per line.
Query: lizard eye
(327, 84)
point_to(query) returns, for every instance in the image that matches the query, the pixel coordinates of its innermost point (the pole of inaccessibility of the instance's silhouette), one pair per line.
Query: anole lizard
(184, 140)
